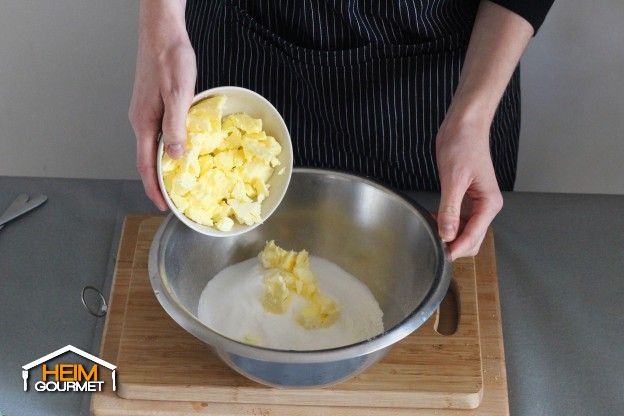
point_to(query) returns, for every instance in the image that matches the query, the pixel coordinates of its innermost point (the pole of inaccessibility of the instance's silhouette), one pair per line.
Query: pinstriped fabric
(363, 85)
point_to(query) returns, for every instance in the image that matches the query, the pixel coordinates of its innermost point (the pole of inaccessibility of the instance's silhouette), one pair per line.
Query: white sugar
(230, 304)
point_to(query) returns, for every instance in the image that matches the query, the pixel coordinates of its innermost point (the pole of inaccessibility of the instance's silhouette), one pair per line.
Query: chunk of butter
(250, 339)
(276, 295)
(223, 176)
(288, 273)
(320, 312)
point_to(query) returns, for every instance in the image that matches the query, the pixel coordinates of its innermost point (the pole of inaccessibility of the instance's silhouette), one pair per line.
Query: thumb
(449, 209)
(174, 124)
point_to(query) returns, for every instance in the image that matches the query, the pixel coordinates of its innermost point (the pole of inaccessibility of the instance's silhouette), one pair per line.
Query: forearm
(161, 22)
(498, 40)
(164, 84)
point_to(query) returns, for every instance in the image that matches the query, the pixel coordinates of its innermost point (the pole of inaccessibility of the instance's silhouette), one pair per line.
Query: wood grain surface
(234, 395)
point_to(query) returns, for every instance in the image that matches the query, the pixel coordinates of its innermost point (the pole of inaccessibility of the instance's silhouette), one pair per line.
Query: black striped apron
(362, 84)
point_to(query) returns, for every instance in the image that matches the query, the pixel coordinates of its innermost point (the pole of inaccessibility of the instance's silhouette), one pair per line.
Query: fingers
(162, 94)
(145, 114)
(174, 121)
(450, 209)
(146, 165)
(471, 237)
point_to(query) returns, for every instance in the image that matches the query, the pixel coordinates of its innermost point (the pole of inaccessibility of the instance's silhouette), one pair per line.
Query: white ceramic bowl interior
(246, 101)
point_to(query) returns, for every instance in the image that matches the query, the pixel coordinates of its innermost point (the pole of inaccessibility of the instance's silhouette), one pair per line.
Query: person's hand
(163, 88)
(470, 196)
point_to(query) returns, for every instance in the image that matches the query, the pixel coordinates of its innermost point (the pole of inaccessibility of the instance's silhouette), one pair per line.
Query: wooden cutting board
(161, 366)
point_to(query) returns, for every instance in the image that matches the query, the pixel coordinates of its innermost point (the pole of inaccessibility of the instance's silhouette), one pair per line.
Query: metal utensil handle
(17, 209)
(103, 306)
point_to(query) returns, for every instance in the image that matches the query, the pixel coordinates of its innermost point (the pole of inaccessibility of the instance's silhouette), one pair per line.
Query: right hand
(470, 198)
(163, 90)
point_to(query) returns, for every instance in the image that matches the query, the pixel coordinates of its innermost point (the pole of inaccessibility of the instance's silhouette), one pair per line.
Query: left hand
(470, 195)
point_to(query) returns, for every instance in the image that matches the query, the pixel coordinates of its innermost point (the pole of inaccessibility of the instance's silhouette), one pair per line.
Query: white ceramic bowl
(244, 100)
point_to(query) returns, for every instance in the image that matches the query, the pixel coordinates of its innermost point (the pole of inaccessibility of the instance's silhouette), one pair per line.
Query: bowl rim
(387, 338)
(238, 228)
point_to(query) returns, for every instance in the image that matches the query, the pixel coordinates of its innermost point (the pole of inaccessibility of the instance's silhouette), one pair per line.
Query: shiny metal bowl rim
(409, 324)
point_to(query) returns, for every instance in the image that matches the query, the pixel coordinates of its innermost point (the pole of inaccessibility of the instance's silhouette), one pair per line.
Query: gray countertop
(560, 265)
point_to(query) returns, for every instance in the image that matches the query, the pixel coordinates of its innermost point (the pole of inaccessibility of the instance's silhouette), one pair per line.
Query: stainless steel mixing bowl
(385, 240)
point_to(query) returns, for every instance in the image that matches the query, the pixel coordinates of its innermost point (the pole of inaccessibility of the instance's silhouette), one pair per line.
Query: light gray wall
(66, 72)
(66, 69)
(572, 136)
